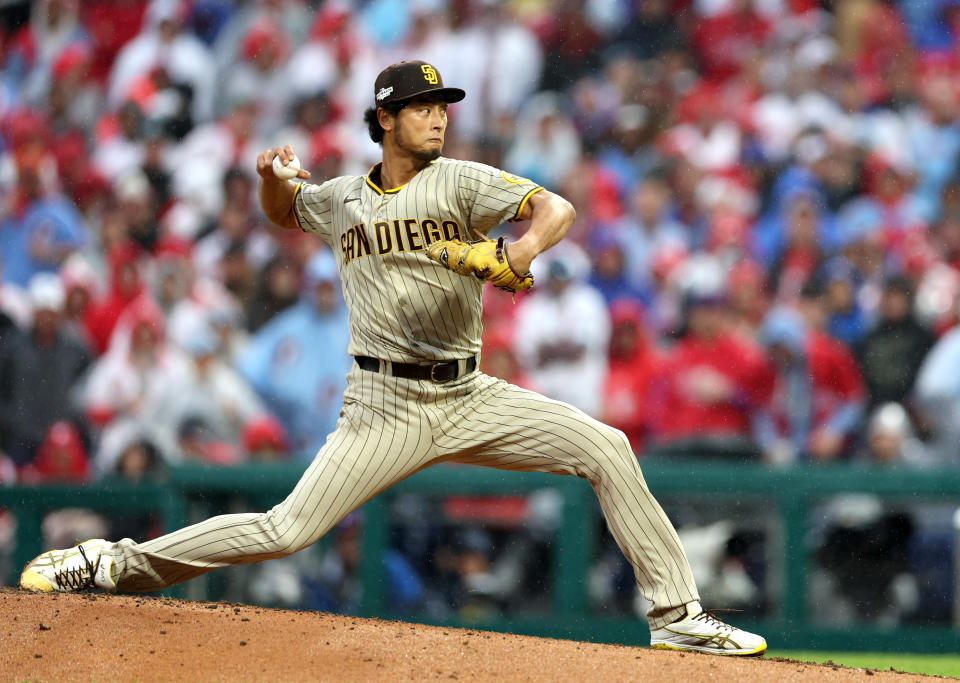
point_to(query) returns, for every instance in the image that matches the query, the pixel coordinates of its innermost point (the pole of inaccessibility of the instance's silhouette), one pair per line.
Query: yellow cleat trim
(34, 582)
(756, 652)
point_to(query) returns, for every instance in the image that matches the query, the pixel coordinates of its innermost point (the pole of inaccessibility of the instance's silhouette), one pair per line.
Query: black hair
(814, 288)
(899, 283)
(155, 461)
(373, 124)
(235, 173)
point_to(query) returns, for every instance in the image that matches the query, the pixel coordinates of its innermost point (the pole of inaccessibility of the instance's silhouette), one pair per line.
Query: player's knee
(280, 533)
(619, 445)
(623, 443)
(617, 452)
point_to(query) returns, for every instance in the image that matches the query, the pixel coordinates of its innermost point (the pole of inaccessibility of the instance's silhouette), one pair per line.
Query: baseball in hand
(286, 172)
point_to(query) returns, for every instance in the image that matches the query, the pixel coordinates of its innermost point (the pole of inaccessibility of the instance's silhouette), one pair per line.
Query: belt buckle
(433, 377)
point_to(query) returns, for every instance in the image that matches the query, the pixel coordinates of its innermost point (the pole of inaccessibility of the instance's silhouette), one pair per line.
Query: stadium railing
(789, 494)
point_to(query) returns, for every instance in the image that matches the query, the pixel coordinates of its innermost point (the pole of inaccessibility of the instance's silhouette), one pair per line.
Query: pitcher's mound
(94, 637)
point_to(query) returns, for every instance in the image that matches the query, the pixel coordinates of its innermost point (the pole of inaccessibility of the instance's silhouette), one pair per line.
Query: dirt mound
(123, 638)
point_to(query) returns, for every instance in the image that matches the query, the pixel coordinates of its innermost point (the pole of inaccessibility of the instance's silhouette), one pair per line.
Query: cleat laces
(709, 617)
(77, 578)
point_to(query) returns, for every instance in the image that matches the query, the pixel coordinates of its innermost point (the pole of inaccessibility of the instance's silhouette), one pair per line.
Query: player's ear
(385, 118)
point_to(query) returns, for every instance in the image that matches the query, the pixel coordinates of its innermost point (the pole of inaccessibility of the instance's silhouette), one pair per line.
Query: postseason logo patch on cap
(384, 93)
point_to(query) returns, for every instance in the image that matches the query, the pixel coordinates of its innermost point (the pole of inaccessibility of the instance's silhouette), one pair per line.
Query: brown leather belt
(445, 371)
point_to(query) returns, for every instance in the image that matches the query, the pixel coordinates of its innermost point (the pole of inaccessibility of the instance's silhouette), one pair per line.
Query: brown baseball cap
(406, 80)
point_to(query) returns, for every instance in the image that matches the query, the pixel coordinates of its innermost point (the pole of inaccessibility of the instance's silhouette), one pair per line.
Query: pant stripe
(390, 428)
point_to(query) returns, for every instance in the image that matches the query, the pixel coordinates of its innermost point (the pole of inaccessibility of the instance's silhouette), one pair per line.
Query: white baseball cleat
(74, 569)
(701, 631)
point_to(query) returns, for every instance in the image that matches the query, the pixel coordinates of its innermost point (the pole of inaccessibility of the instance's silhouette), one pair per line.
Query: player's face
(420, 127)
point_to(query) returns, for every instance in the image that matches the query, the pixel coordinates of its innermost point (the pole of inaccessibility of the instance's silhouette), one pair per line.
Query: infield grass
(938, 665)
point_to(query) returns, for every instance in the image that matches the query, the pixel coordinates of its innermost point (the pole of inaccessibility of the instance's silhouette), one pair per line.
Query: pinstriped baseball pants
(390, 428)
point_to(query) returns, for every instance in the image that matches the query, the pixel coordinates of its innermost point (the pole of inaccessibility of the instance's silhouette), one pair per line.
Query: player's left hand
(486, 260)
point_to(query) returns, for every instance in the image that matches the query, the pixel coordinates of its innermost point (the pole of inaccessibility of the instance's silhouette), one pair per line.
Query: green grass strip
(938, 665)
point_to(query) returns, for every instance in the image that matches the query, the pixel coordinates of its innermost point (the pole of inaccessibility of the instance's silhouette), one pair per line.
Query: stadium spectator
(499, 360)
(492, 44)
(294, 17)
(863, 259)
(131, 379)
(61, 458)
(595, 189)
(238, 274)
(648, 228)
(128, 439)
(165, 53)
(39, 370)
(548, 146)
(564, 361)
(39, 228)
(570, 43)
(138, 462)
(333, 584)
(264, 440)
(223, 144)
(633, 362)
(747, 297)
(121, 147)
(79, 288)
(336, 57)
(234, 226)
(892, 352)
(464, 563)
(54, 26)
(801, 255)
(609, 274)
(315, 121)
(111, 25)
(73, 100)
(298, 361)
(260, 72)
(846, 321)
(625, 141)
(125, 286)
(652, 30)
(818, 398)
(710, 383)
(197, 442)
(934, 140)
(276, 291)
(727, 41)
(208, 390)
(705, 136)
(190, 298)
(891, 440)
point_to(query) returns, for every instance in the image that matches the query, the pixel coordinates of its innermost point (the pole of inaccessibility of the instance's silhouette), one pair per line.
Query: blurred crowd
(765, 263)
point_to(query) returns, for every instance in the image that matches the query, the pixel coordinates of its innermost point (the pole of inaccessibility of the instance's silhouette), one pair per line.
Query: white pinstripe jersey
(403, 306)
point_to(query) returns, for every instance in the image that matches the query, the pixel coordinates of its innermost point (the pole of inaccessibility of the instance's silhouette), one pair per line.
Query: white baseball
(286, 172)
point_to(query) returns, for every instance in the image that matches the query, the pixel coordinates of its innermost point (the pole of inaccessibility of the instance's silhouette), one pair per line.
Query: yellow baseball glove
(486, 259)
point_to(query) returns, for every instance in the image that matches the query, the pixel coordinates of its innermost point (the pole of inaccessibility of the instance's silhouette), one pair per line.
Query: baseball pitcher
(410, 241)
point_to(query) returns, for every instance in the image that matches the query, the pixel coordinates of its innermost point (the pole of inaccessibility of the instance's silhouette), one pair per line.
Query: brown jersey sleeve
(490, 196)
